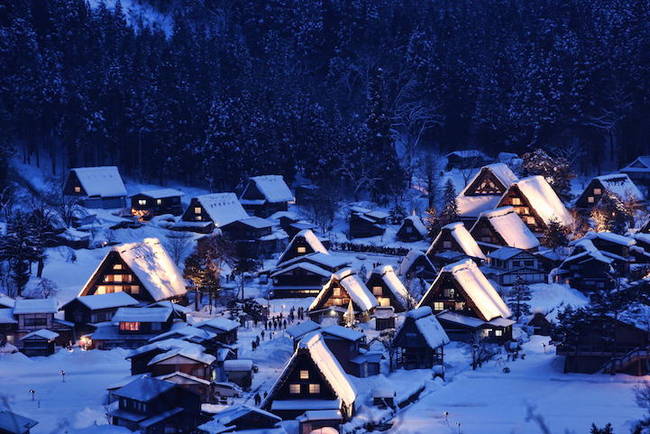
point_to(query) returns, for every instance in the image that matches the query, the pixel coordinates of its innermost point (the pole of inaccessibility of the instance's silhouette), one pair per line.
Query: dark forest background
(327, 89)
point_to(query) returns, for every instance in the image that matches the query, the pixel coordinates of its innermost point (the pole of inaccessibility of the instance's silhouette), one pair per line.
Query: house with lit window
(411, 229)
(150, 405)
(536, 203)
(144, 270)
(344, 288)
(210, 211)
(616, 184)
(587, 268)
(484, 190)
(502, 227)
(419, 343)
(254, 237)
(312, 379)
(350, 349)
(265, 195)
(131, 327)
(224, 328)
(302, 244)
(92, 309)
(96, 187)
(454, 242)
(150, 203)
(388, 289)
(467, 305)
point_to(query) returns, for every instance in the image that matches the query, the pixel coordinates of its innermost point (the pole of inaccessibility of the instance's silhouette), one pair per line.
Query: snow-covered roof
(467, 153)
(302, 329)
(353, 285)
(417, 224)
(273, 188)
(394, 284)
(585, 247)
(544, 200)
(461, 235)
(238, 365)
(183, 376)
(477, 287)
(310, 238)
(428, 326)
(40, 305)
(621, 185)
(144, 389)
(6, 302)
(7, 316)
(232, 413)
(42, 333)
(500, 170)
(107, 301)
(193, 353)
(154, 268)
(330, 367)
(303, 266)
(472, 206)
(165, 345)
(507, 223)
(504, 253)
(641, 160)
(103, 181)
(10, 422)
(256, 222)
(610, 237)
(219, 323)
(186, 331)
(471, 321)
(343, 332)
(223, 208)
(161, 193)
(142, 314)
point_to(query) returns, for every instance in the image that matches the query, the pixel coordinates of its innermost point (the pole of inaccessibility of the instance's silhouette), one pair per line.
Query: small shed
(412, 229)
(38, 343)
(384, 397)
(384, 318)
(239, 372)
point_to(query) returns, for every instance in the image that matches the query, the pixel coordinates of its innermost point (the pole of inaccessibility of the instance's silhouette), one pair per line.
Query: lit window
(198, 217)
(598, 191)
(337, 292)
(516, 201)
(117, 278)
(314, 388)
(459, 305)
(376, 290)
(117, 267)
(446, 244)
(77, 189)
(304, 375)
(101, 289)
(530, 220)
(135, 289)
(158, 201)
(301, 249)
(130, 326)
(142, 201)
(590, 199)
(197, 210)
(438, 305)
(486, 332)
(498, 333)
(294, 388)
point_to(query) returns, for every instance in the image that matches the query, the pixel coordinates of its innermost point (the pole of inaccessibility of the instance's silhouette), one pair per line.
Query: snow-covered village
(324, 216)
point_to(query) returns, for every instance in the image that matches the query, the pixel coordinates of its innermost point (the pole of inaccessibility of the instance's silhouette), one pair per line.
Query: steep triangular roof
(353, 286)
(316, 350)
(393, 283)
(411, 258)
(543, 199)
(621, 185)
(473, 205)
(153, 267)
(306, 237)
(507, 223)
(103, 181)
(428, 326)
(223, 208)
(477, 288)
(463, 238)
(272, 187)
(417, 223)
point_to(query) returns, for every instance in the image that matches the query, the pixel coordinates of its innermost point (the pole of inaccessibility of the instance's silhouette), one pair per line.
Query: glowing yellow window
(142, 201)
(197, 210)
(77, 189)
(294, 388)
(117, 267)
(516, 201)
(304, 375)
(314, 388)
(301, 249)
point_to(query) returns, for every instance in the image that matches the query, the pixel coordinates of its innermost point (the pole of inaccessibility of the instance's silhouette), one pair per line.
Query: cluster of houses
(136, 297)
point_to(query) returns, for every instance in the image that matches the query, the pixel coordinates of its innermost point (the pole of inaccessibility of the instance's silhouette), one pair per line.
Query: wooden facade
(336, 294)
(608, 345)
(446, 242)
(587, 272)
(100, 196)
(114, 275)
(384, 290)
(147, 205)
(507, 265)
(366, 223)
(411, 348)
(412, 229)
(302, 244)
(524, 208)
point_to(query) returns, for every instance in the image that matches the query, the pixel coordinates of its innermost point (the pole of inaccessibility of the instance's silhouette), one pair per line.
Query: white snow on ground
(488, 401)
(548, 297)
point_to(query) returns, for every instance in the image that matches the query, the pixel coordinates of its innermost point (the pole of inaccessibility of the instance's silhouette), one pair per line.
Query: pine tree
(611, 215)
(555, 235)
(20, 247)
(607, 429)
(518, 299)
(348, 316)
(449, 213)
(432, 223)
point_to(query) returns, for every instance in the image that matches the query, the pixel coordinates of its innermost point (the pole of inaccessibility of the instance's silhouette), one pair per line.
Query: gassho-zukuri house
(144, 270)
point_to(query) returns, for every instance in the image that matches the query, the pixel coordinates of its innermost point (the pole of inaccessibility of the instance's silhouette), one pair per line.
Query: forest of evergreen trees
(322, 88)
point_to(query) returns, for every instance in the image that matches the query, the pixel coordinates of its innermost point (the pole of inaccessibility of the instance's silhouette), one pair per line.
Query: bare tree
(178, 245)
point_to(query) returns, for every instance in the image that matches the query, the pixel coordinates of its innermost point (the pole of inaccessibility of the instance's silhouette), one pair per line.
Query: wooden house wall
(450, 301)
(484, 232)
(385, 296)
(412, 350)
(191, 216)
(408, 233)
(481, 187)
(29, 322)
(304, 363)
(182, 364)
(168, 205)
(525, 209)
(71, 182)
(133, 286)
(589, 275)
(583, 202)
(362, 228)
(438, 244)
